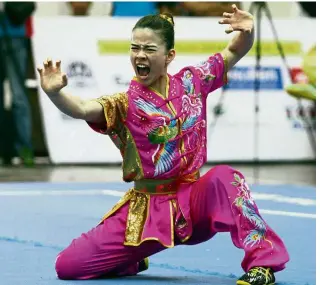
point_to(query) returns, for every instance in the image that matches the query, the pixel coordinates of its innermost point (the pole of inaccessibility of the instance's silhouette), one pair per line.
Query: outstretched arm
(241, 22)
(53, 80)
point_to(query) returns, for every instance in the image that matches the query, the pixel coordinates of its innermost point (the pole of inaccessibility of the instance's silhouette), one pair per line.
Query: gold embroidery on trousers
(137, 215)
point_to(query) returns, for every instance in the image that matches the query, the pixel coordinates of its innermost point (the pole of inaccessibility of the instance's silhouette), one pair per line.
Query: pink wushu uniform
(162, 140)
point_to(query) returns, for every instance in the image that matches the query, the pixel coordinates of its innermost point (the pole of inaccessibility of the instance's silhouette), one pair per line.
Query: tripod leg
(308, 124)
(256, 99)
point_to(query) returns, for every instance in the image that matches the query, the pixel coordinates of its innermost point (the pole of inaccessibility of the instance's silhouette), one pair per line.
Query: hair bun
(168, 17)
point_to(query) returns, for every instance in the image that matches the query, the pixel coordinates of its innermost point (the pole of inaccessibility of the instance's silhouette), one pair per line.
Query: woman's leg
(101, 253)
(221, 202)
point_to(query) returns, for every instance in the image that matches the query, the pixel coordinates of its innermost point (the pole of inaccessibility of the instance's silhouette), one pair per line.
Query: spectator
(74, 8)
(15, 29)
(212, 9)
(173, 8)
(80, 8)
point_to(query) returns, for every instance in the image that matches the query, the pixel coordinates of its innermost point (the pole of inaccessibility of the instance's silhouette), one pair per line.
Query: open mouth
(143, 70)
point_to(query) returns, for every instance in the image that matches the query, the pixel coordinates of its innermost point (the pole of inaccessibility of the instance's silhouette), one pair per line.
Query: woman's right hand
(51, 78)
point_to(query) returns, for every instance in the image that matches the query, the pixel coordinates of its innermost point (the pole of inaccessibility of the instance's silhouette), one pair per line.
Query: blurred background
(263, 122)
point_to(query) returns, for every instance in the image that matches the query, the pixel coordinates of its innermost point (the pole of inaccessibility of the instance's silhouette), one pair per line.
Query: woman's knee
(220, 171)
(223, 168)
(66, 266)
(59, 266)
(227, 178)
(62, 266)
(70, 266)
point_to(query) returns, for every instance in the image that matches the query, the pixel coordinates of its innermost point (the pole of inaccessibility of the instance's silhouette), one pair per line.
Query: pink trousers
(220, 201)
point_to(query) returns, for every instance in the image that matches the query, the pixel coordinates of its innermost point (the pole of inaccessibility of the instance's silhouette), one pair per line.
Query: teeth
(141, 66)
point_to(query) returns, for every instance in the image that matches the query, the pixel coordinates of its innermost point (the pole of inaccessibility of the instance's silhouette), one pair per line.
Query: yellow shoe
(258, 276)
(143, 264)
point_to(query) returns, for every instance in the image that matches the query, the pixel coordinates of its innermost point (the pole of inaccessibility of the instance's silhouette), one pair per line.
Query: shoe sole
(239, 282)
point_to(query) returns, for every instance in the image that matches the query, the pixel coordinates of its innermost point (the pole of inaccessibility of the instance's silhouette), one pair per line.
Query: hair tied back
(167, 18)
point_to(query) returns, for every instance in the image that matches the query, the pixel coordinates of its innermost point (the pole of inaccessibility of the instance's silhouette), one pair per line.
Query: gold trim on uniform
(225, 75)
(115, 108)
(138, 213)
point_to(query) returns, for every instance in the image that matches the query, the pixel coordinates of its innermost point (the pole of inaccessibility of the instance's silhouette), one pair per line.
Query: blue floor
(37, 223)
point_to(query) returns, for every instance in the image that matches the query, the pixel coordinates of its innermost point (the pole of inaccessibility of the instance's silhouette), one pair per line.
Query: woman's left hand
(238, 21)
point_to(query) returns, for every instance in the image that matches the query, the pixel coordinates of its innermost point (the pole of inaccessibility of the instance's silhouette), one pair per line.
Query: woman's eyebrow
(145, 46)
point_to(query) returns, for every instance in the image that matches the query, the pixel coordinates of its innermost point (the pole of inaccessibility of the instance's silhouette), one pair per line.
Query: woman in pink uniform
(159, 126)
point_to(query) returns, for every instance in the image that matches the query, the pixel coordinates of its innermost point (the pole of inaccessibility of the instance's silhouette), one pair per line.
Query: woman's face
(149, 56)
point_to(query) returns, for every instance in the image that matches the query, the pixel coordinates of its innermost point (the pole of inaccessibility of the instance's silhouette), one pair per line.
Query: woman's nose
(141, 53)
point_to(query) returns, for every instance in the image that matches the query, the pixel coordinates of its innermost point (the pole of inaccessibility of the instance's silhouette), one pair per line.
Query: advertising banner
(95, 56)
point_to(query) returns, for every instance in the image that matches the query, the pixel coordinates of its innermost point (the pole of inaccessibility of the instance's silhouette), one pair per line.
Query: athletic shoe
(258, 276)
(143, 264)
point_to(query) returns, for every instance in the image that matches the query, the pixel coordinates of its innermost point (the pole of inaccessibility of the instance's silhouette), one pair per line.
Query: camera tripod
(256, 9)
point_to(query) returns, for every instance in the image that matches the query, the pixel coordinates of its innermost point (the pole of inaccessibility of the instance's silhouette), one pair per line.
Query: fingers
(227, 18)
(227, 15)
(58, 64)
(225, 21)
(234, 8)
(45, 64)
(49, 61)
(64, 79)
(40, 70)
(229, 30)
(48, 64)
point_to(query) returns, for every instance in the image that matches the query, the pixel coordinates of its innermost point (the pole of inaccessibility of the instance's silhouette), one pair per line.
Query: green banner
(268, 48)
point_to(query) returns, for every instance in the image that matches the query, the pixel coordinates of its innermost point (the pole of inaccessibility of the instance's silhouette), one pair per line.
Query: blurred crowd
(143, 8)
(197, 9)
(16, 32)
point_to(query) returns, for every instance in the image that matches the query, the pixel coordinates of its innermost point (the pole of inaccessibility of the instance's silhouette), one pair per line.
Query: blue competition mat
(39, 219)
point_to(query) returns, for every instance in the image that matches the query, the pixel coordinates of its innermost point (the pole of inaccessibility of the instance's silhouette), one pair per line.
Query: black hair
(163, 24)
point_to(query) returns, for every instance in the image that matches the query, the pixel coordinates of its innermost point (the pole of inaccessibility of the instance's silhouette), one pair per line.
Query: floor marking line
(251, 179)
(288, 214)
(117, 193)
(284, 199)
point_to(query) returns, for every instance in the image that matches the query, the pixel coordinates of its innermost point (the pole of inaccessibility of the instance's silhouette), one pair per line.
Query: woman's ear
(170, 56)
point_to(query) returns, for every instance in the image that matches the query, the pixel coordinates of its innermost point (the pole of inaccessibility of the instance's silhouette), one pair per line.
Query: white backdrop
(74, 41)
